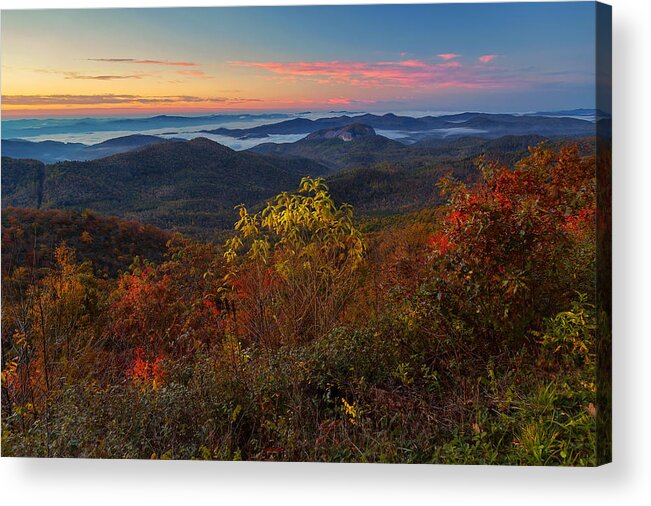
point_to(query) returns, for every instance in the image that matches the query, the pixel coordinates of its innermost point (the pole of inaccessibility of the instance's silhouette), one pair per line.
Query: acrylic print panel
(335, 233)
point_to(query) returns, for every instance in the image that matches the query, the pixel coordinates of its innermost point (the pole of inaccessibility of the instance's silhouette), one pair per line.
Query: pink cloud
(448, 56)
(487, 58)
(194, 73)
(339, 101)
(407, 63)
(451, 65)
(403, 73)
(326, 101)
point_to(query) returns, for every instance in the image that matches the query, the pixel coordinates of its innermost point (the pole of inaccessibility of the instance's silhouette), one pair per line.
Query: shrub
(570, 334)
(499, 258)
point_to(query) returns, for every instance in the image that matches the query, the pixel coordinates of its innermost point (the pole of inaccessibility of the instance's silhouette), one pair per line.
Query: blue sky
(491, 57)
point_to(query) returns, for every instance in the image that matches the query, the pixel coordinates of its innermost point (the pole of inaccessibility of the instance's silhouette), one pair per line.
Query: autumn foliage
(463, 333)
(293, 266)
(503, 254)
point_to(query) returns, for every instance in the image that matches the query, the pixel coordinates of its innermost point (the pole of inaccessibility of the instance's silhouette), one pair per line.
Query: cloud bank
(402, 74)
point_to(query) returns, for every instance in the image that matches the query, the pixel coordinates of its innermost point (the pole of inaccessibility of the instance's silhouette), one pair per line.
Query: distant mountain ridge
(453, 125)
(54, 151)
(597, 113)
(405, 129)
(24, 128)
(367, 148)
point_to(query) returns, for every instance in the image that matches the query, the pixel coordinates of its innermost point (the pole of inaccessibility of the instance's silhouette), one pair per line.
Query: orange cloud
(448, 56)
(101, 77)
(76, 75)
(40, 100)
(170, 63)
(487, 58)
(146, 62)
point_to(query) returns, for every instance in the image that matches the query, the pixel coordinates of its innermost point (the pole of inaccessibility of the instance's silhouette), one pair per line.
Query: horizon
(98, 129)
(258, 60)
(254, 113)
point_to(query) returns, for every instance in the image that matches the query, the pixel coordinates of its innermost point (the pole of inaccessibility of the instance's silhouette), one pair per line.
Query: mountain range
(454, 125)
(359, 145)
(190, 186)
(24, 128)
(403, 129)
(588, 113)
(193, 186)
(338, 147)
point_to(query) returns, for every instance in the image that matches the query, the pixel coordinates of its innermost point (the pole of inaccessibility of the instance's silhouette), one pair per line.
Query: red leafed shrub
(441, 243)
(505, 252)
(145, 309)
(146, 371)
(580, 223)
(171, 308)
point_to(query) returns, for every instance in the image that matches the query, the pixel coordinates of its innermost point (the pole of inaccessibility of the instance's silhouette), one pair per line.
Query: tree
(59, 328)
(293, 266)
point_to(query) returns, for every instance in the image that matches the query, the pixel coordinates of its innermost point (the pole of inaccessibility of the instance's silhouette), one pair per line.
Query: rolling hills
(189, 186)
(407, 182)
(366, 148)
(193, 186)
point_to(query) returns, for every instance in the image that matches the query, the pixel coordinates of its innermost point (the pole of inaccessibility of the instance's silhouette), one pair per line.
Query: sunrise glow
(109, 62)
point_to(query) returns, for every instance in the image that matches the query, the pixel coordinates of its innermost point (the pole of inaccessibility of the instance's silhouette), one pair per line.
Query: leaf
(236, 412)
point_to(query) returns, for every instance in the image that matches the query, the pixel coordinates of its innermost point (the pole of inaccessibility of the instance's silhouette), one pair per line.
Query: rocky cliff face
(346, 133)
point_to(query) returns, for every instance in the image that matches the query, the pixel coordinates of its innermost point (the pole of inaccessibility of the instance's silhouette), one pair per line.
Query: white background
(625, 482)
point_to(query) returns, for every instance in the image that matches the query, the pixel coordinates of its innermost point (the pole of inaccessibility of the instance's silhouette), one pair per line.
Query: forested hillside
(193, 186)
(188, 186)
(30, 236)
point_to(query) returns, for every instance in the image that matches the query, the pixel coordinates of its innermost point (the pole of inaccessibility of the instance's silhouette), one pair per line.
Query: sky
(510, 57)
